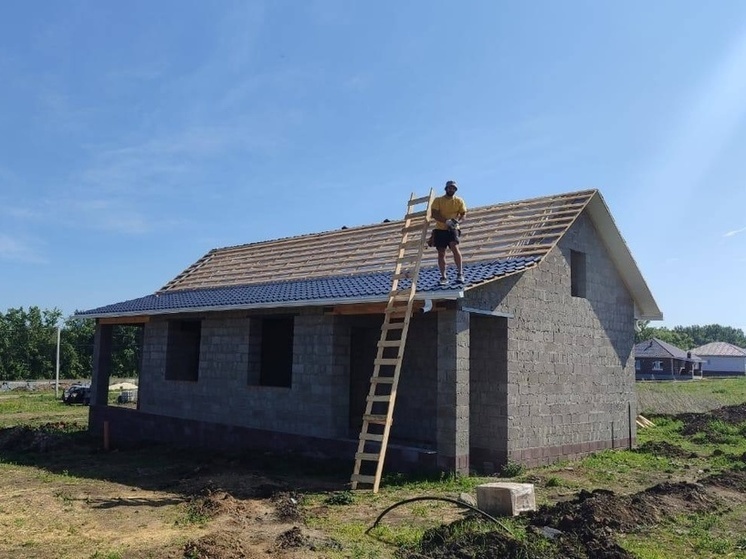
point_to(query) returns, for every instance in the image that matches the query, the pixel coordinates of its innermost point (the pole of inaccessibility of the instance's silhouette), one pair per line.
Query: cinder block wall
(570, 364)
(315, 405)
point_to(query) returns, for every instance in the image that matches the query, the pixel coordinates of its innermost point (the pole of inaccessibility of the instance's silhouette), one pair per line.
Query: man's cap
(452, 183)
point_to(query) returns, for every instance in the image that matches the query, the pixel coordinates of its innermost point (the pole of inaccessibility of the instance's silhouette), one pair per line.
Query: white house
(721, 359)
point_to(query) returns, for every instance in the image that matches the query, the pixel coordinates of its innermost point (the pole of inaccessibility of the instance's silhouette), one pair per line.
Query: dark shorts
(444, 237)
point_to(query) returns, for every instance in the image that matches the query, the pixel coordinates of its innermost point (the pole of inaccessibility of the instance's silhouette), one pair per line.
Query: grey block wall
(317, 403)
(227, 391)
(570, 366)
(554, 380)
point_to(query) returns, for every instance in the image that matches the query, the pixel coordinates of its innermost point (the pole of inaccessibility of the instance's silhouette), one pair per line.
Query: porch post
(452, 421)
(101, 364)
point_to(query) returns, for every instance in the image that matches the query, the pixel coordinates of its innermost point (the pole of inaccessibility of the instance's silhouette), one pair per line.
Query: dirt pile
(582, 528)
(702, 422)
(37, 439)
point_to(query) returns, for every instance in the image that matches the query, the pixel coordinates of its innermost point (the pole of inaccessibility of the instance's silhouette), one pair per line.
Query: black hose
(446, 499)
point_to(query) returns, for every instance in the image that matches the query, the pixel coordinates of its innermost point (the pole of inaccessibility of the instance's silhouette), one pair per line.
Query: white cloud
(18, 250)
(734, 232)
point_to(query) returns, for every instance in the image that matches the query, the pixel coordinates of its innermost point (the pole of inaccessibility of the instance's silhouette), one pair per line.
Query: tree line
(28, 343)
(689, 337)
(28, 346)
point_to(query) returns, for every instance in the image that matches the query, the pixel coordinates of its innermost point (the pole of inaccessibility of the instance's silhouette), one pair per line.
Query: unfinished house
(271, 344)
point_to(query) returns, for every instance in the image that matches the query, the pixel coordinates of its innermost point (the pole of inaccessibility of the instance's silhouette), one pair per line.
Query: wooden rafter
(525, 228)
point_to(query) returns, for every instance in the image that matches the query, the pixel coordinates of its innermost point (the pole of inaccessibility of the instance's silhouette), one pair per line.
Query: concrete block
(506, 498)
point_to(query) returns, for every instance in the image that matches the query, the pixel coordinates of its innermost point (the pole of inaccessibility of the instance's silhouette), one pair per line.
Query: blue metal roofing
(312, 291)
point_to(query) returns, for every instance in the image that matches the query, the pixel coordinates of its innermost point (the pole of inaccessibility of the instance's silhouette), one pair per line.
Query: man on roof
(448, 211)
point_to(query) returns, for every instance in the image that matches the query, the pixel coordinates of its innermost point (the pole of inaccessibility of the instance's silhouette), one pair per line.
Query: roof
(351, 265)
(720, 349)
(318, 291)
(658, 349)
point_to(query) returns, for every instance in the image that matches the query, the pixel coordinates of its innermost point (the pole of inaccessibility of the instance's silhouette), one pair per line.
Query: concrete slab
(506, 498)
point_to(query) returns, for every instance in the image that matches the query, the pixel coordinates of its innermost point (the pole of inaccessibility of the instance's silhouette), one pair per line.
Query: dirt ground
(77, 501)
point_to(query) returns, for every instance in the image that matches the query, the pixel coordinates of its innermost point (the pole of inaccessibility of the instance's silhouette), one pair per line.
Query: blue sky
(139, 135)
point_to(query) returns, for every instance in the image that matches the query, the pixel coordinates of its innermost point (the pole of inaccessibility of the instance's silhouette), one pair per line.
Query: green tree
(688, 337)
(29, 342)
(126, 351)
(702, 335)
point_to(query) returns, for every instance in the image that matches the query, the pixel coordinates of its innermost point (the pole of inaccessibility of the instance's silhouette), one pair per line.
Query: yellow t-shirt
(449, 208)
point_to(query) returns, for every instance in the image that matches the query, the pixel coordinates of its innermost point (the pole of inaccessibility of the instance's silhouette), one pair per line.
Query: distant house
(659, 360)
(271, 344)
(721, 359)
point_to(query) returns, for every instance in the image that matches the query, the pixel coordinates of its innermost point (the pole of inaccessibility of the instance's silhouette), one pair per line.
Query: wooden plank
(362, 308)
(360, 478)
(389, 343)
(420, 200)
(386, 361)
(368, 456)
(349, 251)
(375, 418)
(416, 215)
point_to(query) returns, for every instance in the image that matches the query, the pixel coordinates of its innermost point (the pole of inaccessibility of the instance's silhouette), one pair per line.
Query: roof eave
(443, 295)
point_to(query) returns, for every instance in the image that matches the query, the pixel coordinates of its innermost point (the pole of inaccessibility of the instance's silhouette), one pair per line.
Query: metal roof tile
(311, 291)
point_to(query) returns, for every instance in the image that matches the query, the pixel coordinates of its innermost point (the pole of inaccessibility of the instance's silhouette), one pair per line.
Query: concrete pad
(506, 498)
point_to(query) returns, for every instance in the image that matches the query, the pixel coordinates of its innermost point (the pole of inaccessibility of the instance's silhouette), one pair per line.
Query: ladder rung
(402, 275)
(411, 244)
(387, 361)
(363, 479)
(415, 215)
(375, 418)
(370, 456)
(393, 326)
(379, 398)
(382, 380)
(400, 295)
(397, 312)
(416, 201)
(373, 437)
(389, 343)
(412, 258)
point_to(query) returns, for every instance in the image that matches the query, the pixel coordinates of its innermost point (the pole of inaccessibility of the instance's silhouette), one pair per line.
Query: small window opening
(277, 352)
(577, 274)
(182, 354)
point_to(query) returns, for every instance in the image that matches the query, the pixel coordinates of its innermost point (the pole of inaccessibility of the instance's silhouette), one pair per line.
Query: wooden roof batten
(524, 228)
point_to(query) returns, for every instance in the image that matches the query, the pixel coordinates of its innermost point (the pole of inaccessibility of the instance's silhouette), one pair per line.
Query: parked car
(77, 394)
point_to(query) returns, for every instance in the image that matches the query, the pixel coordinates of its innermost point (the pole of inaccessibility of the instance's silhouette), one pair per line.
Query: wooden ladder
(379, 409)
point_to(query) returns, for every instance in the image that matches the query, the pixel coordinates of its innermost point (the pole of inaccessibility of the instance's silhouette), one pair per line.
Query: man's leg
(457, 258)
(442, 261)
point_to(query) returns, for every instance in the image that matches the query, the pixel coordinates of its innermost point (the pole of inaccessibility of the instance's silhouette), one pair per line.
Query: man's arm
(435, 211)
(437, 216)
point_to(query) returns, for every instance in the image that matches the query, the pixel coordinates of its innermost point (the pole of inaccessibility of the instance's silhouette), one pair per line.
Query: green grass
(690, 396)
(345, 516)
(39, 407)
